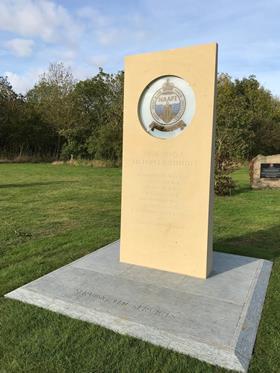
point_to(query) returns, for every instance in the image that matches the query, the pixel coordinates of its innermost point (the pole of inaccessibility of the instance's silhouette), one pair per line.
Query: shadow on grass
(242, 189)
(27, 185)
(263, 244)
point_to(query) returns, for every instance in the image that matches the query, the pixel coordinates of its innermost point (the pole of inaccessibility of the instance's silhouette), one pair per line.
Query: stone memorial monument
(265, 171)
(167, 187)
(162, 283)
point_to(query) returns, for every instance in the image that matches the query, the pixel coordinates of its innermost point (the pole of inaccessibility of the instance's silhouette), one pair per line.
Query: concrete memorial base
(214, 320)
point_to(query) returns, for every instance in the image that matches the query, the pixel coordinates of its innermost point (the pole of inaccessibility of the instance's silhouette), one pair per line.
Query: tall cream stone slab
(167, 183)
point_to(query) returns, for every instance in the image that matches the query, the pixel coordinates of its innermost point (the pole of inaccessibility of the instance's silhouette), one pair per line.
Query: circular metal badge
(166, 107)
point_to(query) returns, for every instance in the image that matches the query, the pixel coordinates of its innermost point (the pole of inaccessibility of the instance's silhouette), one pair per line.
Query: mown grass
(51, 215)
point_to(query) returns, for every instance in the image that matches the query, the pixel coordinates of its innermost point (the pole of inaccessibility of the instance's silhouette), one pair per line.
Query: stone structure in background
(265, 171)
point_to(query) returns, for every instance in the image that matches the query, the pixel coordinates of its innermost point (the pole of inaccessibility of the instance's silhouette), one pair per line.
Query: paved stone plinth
(214, 320)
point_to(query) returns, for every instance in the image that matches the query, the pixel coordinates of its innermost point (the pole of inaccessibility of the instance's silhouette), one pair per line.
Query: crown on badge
(167, 86)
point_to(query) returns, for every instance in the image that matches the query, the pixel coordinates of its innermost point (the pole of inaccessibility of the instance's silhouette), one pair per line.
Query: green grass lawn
(51, 215)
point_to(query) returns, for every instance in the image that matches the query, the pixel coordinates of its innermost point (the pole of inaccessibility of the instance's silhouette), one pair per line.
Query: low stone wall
(265, 171)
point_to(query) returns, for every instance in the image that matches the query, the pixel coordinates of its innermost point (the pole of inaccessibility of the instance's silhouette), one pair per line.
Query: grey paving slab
(214, 320)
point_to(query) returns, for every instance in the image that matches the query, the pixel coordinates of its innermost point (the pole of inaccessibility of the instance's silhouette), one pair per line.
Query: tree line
(60, 118)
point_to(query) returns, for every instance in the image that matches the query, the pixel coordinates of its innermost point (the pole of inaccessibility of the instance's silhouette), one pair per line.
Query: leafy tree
(96, 130)
(246, 115)
(107, 141)
(10, 118)
(23, 130)
(52, 98)
(267, 138)
(65, 118)
(243, 109)
(6, 90)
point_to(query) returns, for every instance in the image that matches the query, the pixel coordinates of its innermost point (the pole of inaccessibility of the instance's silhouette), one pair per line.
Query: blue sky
(87, 34)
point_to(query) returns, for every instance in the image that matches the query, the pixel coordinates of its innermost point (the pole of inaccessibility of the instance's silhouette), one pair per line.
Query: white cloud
(57, 53)
(42, 18)
(21, 83)
(107, 37)
(84, 71)
(20, 47)
(92, 15)
(111, 30)
(98, 60)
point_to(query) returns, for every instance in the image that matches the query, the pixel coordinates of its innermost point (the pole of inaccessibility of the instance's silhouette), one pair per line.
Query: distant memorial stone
(265, 171)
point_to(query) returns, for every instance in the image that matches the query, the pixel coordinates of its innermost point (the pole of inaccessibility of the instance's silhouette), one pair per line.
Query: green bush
(224, 185)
